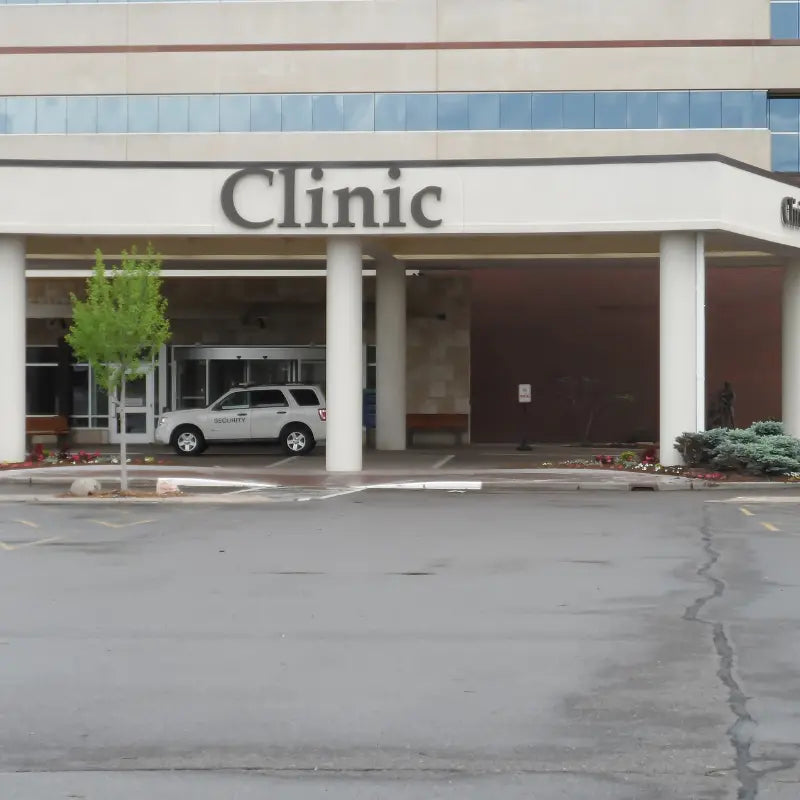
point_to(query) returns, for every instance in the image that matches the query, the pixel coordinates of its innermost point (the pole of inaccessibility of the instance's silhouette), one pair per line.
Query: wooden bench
(456, 424)
(55, 425)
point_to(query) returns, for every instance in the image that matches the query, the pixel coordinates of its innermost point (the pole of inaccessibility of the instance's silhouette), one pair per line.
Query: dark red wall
(541, 324)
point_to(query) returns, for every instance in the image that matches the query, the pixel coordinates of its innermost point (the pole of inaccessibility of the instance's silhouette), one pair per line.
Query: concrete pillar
(12, 340)
(791, 349)
(390, 323)
(683, 337)
(343, 355)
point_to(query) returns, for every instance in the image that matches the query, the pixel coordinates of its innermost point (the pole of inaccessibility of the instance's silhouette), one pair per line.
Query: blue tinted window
(610, 110)
(234, 113)
(579, 110)
(784, 23)
(390, 112)
(783, 114)
(173, 114)
(21, 115)
(265, 112)
(484, 112)
(515, 111)
(759, 110)
(420, 112)
(2, 115)
(673, 109)
(327, 112)
(705, 109)
(51, 115)
(142, 114)
(453, 112)
(359, 112)
(82, 115)
(737, 110)
(547, 110)
(204, 113)
(785, 151)
(642, 110)
(112, 114)
(296, 112)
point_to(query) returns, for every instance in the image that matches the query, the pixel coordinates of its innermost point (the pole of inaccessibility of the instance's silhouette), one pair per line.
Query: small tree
(120, 326)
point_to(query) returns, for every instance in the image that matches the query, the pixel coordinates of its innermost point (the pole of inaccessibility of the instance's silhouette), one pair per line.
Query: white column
(390, 323)
(683, 339)
(343, 355)
(12, 340)
(791, 349)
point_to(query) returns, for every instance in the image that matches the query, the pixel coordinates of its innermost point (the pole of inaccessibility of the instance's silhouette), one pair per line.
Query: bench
(456, 424)
(55, 425)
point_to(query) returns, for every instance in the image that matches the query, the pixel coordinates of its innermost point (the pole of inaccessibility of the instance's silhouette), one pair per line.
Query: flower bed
(40, 457)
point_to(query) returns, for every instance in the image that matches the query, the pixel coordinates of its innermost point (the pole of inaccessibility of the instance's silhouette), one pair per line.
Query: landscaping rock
(85, 487)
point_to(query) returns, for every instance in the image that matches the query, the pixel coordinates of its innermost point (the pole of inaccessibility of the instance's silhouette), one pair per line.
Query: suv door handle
(241, 415)
(281, 412)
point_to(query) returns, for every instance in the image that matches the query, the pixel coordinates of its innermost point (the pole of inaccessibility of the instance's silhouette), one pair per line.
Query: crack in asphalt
(742, 732)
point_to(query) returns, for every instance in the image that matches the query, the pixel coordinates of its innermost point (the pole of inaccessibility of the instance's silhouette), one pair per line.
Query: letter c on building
(417, 214)
(228, 204)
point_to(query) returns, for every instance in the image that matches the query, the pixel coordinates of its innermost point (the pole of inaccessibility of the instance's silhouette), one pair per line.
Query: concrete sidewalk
(489, 468)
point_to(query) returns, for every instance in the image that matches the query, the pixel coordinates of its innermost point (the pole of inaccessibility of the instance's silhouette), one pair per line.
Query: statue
(720, 409)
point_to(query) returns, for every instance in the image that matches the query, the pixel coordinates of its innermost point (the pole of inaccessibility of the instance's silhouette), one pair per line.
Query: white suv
(293, 415)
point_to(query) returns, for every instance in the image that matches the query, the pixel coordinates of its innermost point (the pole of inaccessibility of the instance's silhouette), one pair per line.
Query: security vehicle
(293, 415)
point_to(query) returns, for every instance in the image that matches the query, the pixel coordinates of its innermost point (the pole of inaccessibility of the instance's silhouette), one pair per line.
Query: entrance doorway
(139, 411)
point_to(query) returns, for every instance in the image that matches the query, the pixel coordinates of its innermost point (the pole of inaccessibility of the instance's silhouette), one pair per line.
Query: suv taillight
(323, 413)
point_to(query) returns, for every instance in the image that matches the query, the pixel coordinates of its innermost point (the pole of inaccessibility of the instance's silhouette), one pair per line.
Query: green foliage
(627, 456)
(122, 323)
(769, 427)
(761, 448)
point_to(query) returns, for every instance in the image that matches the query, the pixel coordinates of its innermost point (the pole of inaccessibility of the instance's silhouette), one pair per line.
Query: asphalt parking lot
(403, 645)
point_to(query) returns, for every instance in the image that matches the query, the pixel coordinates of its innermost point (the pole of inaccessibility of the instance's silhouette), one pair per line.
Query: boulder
(85, 487)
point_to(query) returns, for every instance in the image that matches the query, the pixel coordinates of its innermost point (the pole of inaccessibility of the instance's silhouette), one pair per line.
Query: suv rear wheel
(297, 440)
(188, 441)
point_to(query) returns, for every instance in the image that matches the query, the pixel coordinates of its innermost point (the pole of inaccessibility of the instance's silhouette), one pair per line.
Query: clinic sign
(790, 213)
(303, 198)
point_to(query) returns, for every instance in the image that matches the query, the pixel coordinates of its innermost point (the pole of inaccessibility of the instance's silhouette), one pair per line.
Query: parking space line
(770, 527)
(439, 464)
(26, 522)
(281, 462)
(746, 512)
(120, 524)
(22, 545)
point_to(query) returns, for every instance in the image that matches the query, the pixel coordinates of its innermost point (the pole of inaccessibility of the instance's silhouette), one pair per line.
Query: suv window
(235, 400)
(268, 398)
(305, 397)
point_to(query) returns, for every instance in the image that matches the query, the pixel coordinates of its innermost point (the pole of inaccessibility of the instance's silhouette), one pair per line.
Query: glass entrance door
(139, 411)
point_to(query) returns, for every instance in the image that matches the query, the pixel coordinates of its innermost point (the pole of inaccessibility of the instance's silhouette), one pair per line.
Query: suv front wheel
(188, 441)
(297, 440)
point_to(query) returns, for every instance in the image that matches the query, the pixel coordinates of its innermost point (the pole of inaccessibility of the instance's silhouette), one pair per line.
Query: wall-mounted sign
(790, 212)
(320, 206)
(525, 394)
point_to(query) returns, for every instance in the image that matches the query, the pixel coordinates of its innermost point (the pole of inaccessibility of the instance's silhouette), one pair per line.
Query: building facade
(315, 90)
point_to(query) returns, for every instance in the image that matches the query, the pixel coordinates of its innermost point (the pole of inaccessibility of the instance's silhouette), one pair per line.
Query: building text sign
(525, 394)
(304, 198)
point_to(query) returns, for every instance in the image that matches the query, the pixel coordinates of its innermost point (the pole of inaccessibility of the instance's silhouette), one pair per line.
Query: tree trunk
(123, 444)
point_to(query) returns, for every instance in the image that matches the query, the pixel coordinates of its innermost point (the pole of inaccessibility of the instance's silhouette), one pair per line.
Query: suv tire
(297, 440)
(188, 441)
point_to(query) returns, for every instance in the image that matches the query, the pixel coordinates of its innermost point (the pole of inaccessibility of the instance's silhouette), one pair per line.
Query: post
(390, 323)
(682, 340)
(343, 359)
(791, 349)
(123, 441)
(12, 336)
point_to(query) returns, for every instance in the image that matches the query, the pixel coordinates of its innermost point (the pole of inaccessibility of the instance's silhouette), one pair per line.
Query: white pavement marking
(281, 462)
(4, 546)
(166, 485)
(447, 459)
(26, 522)
(121, 524)
(767, 498)
(434, 485)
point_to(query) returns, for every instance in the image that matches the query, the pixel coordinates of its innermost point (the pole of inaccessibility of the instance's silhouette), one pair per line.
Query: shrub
(769, 427)
(761, 448)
